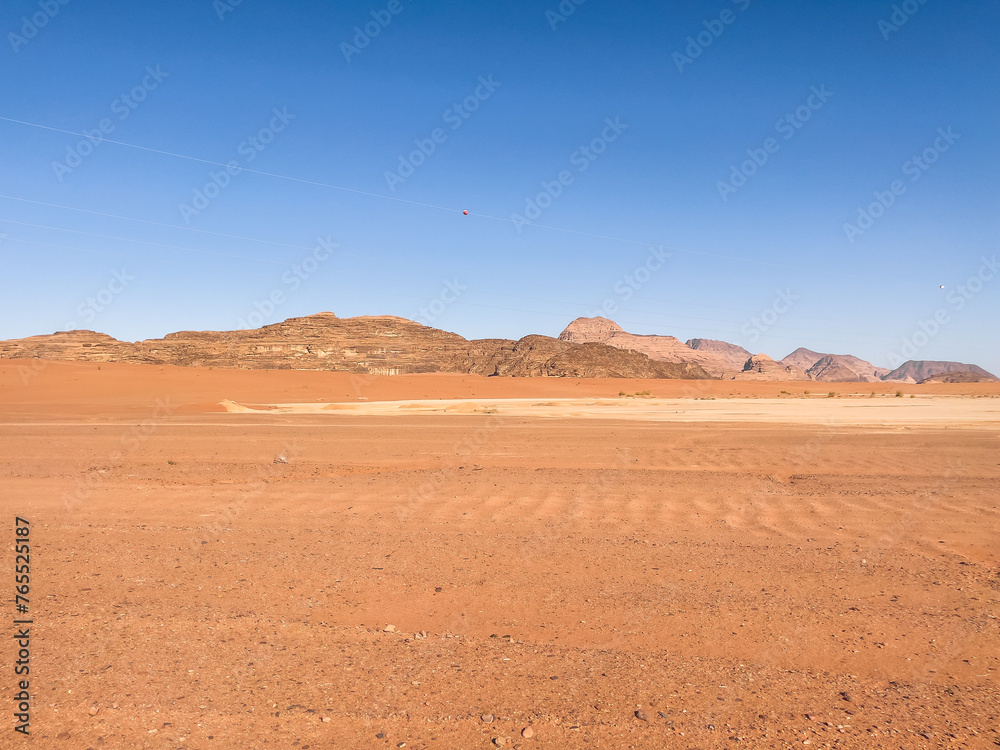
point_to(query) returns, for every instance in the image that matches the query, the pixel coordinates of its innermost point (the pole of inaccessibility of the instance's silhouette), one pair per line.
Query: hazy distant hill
(725, 360)
(960, 377)
(917, 371)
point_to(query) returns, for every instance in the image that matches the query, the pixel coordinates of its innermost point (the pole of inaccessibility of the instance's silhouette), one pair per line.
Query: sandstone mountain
(714, 360)
(762, 367)
(66, 345)
(734, 356)
(916, 371)
(592, 330)
(835, 367)
(830, 370)
(388, 345)
(543, 355)
(960, 377)
(383, 345)
(724, 360)
(803, 358)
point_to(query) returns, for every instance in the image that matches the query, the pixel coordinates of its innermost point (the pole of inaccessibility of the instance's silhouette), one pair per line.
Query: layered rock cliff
(388, 345)
(713, 360)
(383, 345)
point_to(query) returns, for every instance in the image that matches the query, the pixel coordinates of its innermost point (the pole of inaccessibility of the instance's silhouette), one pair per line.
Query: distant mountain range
(379, 345)
(728, 361)
(387, 345)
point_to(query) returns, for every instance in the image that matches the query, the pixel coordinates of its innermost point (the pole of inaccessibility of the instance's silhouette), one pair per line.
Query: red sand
(776, 584)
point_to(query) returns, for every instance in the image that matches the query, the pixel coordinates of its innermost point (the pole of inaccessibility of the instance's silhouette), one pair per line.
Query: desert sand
(933, 411)
(222, 560)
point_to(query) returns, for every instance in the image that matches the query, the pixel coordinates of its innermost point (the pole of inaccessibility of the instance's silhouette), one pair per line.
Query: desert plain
(250, 559)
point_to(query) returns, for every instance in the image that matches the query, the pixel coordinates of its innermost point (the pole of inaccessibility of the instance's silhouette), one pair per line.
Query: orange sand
(221, 580)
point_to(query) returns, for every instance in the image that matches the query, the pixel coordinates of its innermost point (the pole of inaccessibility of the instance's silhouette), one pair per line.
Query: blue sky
(746, 138)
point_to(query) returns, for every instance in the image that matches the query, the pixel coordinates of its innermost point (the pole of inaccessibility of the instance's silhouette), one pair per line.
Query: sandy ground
(213, 579)
(930, 411)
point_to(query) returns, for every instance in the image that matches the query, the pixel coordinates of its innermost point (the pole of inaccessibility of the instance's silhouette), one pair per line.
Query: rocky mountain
(917, 371)
(834, 367)
(715, 361)
(67, 345)
(831, 370)
(542, 355)
(960, 377)
(384, 345)
(762, 367)
(734, 356)
(387, 345)
(724, 360)
(803, 358)
(597, 330)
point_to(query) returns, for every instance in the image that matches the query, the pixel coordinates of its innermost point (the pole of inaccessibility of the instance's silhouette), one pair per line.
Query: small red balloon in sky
(466, 213)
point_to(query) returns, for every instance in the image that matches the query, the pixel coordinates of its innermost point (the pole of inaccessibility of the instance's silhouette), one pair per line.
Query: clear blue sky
(687, 113)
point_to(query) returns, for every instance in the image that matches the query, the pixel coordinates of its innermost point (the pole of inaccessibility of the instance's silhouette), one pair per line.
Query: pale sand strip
(922, 412)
